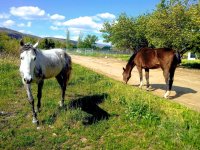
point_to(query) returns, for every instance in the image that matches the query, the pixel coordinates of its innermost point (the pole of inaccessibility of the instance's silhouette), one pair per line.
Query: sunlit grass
(191, 63)
(100, 113)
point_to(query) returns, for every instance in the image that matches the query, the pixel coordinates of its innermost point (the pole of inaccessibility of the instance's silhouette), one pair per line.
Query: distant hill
(16, 34)
(20, 35)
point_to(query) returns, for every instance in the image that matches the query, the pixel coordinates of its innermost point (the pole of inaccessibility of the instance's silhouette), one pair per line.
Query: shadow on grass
(89, 104)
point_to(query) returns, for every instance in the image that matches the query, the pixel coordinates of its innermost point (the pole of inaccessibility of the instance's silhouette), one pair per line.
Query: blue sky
(46, 18)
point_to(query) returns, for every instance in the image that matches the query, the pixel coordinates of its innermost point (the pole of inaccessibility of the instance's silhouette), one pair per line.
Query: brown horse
(148, 58)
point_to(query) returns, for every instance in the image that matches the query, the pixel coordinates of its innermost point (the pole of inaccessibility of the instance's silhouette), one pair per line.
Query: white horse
(38, 65)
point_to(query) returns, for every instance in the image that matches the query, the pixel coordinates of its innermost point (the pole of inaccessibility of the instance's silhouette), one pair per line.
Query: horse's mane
(132, 57)
(27, 47)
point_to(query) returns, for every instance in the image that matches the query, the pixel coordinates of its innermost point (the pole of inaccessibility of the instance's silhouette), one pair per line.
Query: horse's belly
(52, 72)
(156, 66)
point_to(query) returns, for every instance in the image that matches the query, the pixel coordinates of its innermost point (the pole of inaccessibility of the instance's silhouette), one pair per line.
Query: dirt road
(185, 90)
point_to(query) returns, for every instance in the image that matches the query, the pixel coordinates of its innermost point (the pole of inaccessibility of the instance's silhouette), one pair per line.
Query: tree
(47, 44)
(68, 43)
(90, 41)
(125, 32)
(174, 24)
(80, 43)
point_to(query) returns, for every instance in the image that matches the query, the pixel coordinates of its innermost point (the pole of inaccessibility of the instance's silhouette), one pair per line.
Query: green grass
(100, 113)
(195, 64)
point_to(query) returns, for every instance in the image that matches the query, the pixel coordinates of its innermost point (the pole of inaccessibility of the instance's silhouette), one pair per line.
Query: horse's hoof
(149, 88)
(61, 104)
(38, 110)
(167, 94)
(35, 121)
(38, 128)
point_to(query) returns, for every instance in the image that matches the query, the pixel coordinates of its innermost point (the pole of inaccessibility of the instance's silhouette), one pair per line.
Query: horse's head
(126, 75)
(28, 61)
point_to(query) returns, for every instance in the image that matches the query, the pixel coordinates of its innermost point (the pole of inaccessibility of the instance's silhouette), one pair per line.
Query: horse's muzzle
(28, 81)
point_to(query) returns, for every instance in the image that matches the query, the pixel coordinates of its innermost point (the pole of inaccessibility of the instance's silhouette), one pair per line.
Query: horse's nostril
(28, 81)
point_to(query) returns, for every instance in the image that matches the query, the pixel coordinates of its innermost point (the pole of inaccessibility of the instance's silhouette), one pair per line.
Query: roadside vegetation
(100, 113)
(194, 64)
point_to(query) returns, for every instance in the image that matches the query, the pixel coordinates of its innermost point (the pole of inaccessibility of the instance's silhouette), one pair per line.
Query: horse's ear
(21, 42)
(36, 44)
(124, 69)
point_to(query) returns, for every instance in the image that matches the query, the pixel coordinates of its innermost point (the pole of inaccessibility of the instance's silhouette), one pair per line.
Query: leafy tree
(90, 41)
(69, 44)
(125, 32)
(59, 44)
(174, 24)
(80, 43)
(47, 44)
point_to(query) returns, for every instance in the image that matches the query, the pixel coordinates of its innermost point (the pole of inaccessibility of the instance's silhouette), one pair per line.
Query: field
(100, 113)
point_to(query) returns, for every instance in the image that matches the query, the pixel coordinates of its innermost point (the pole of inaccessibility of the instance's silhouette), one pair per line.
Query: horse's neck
(129, 67)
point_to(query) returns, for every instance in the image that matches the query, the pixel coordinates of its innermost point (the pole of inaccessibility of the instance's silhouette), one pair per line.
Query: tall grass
(100, 113)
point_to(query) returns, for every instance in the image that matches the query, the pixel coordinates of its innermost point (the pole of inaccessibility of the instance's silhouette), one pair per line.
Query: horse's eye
(34, 58)
(21, 58)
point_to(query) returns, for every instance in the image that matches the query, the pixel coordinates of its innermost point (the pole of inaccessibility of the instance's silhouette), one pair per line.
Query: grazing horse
(38, 65)
(148, 58)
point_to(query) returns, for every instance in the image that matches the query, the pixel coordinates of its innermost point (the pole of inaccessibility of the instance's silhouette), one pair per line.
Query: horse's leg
(147, 78)
(39, 95)
(166, 76)
(31, 101)
(141, 76)
(171, 79)
(62, 82)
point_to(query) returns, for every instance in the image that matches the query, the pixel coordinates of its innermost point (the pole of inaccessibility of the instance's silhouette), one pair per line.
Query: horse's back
(154, 58)
(53, 61)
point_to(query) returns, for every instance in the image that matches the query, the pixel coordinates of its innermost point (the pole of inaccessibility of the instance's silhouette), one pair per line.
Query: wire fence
(102, 52)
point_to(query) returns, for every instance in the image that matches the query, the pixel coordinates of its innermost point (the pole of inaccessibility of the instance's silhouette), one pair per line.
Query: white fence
(98, 52)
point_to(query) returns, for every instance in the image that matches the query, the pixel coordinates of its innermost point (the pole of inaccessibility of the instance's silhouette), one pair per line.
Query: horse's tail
(178, 57)
(68, 66)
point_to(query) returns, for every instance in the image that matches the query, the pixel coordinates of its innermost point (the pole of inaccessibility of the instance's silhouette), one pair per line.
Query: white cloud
(4, 16)
(59, 36)
(21, 25)
(26, 32)
(106, 16)
(57, 17)
(29, 24)
(82, 22)
(86, 23)
(25, 25)
(8, 23)
(27, 12)
(54, 28)
(102, 42)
